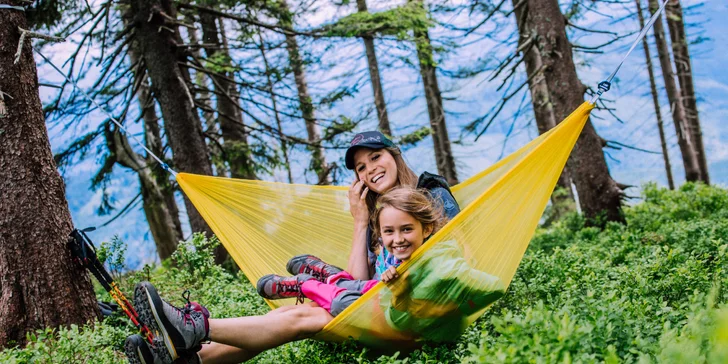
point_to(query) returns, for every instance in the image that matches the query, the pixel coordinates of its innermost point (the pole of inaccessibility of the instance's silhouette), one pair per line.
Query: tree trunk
(204, 101)
(203, 97)
(274, 105)
(160, 207)
(40, 285)
(158, 40)
(655, 99)
(235, 139)
(678, 37)
(318, 159)
(540, 98)
(440, 138)
(165, 230)
(599, 196)
(374, 76)
(170, 228)
(690, 158)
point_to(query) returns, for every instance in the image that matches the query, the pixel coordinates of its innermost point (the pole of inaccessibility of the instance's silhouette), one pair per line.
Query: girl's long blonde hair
(415, 202)
(405, 178)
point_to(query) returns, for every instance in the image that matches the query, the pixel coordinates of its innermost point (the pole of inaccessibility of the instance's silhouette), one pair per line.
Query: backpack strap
(431, 181)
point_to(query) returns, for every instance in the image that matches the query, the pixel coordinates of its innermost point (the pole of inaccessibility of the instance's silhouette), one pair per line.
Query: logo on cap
(357, 140)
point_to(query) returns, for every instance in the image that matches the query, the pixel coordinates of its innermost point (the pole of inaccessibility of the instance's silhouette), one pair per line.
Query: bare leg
(239, 339)
(224, 354)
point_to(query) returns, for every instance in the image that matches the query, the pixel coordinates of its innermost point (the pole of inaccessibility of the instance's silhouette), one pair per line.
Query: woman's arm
(358, 265)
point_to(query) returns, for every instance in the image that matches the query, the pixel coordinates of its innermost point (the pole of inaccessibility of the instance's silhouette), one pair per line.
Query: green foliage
(653, 291)
(414, 137)
(100, 344)
(220, 63)
(112, 254)
(399, 22)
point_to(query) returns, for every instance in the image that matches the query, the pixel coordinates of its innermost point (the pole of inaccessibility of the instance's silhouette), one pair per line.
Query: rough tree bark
(318, 158)
(599, 195)
(230, 116)
(40, 285)
(689, 156)
(374, 76)
(540, 98)
(158, 41)
(428, 70)
(655, 99)
(678, 37)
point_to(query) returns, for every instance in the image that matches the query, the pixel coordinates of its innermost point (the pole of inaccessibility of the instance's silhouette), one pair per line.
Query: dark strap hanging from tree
(84, 252)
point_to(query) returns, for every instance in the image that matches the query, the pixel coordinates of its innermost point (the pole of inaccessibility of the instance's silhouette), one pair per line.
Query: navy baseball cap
(367, 139)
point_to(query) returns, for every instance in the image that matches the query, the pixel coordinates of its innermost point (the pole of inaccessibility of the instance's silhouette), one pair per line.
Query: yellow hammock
(264, 224)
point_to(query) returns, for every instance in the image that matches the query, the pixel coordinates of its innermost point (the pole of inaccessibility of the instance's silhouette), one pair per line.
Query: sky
(465, 100)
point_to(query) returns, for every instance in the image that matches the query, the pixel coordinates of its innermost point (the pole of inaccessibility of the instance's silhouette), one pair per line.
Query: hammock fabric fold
(447, 284)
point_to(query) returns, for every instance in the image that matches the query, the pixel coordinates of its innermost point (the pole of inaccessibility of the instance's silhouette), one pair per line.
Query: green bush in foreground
(652, 291)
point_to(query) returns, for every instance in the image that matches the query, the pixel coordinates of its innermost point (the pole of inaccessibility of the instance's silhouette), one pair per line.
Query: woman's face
(376, 168)
(401, 233)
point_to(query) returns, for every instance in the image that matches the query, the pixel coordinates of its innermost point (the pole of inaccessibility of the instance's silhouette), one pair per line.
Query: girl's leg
(258, 333)
(321, 293)
(224, 354)
(347, 297)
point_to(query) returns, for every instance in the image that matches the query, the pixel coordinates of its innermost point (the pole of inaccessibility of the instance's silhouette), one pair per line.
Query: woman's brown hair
(415, 202)
(405, 178)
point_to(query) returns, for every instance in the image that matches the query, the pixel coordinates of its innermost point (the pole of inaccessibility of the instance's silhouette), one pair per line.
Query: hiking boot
(275, 287)
(309, 264)
(138, 352)
(179, 332)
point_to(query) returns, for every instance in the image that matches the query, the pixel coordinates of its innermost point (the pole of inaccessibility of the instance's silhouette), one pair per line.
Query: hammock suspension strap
(606, 84)
(84, 253)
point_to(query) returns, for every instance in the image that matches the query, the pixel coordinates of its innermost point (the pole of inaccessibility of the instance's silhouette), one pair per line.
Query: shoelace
(187, 309)
(315, 271)
(295, 287)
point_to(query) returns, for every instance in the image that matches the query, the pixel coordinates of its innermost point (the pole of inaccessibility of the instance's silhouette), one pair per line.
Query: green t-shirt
(434, 298)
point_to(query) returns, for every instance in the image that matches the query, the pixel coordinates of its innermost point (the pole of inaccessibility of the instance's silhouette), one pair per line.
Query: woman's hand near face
(390, 274)
(357, 203)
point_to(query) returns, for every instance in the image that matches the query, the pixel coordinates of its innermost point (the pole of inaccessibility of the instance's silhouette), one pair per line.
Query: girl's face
(377, 168)
(402, 234)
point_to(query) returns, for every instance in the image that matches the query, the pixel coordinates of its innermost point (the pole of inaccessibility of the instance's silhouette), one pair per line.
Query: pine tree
(540, 97)
(41, 285)
(599, 195)
(229, 112)
(435, 109)
(689, 156)
(157, 33)
(376, 79)
(678, 38)
(318, 157)
(655, 99)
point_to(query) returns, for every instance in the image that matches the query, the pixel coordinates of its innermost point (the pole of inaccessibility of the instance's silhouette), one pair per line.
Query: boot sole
(150, 308)
(134, 352)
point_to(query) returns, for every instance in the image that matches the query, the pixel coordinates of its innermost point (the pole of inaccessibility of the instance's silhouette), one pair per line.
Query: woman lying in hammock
(379, 167)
